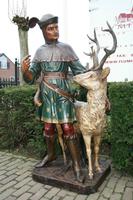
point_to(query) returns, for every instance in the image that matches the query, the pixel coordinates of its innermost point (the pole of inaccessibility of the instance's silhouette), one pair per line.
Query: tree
(17, 12)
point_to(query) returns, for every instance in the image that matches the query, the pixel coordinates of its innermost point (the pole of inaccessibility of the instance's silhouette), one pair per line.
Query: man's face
(51, 32)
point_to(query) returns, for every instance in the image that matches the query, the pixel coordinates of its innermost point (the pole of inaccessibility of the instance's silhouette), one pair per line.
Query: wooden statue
(91, 116)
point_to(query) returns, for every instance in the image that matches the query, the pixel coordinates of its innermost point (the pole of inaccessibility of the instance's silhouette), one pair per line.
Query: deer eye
(91, 76)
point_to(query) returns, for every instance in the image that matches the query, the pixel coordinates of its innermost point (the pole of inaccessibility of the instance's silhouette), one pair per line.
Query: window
(8, 65)
(3, 61)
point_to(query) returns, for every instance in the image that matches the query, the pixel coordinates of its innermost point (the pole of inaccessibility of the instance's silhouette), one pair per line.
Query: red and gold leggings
(68, 130)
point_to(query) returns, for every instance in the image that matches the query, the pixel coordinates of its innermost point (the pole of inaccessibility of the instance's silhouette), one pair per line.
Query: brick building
(7, 67)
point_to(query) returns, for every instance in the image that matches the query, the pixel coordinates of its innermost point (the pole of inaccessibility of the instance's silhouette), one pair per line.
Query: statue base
(58, 175)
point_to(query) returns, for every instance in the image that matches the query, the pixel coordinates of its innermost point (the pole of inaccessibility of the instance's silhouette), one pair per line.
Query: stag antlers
(108, 52)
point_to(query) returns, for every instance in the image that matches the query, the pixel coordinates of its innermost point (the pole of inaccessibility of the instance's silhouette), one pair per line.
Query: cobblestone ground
(16, 183)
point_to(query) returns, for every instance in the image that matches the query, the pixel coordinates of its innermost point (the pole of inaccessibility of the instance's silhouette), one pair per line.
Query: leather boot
(50, 152)
(73, 147)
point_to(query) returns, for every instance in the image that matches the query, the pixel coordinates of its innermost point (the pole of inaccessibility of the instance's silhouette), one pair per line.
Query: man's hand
(25, 63)
(25, 67)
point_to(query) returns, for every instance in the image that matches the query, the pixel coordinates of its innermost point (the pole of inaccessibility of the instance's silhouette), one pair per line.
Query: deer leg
(97, 141)
(87, 140)
(60, 134)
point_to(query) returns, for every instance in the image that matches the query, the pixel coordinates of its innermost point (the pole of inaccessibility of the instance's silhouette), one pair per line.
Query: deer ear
(105, 73)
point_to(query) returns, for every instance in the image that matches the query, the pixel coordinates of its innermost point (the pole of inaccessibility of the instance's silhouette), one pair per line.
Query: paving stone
(120, 186)
(102, 198)
(35, 188)
(14, 166)
(2, 167)
(116, 196)
(10, 198)
(6, 193)
(117, 174)
(13, 162)
(5, 159)
(56, 198)
(8, 179)
(71, 193)
(43, 198)
(4, 163)
(129, 184)
(39, 194)
(94, 196)
(32, 183)
(25, 196)
(22, 171)
(112, 182)
(48, 186)
(52, 192)
(2, 177)
(8, 185)
(20, 184)
(32, 160)
(21, 191)
(125, 178)
(26, 164)
(62, 193)
(3, 172)
(13, 171)
(81, 197)
(102, 186)
(23, 176)
(107, 192)
(128, 194)
(68, 197)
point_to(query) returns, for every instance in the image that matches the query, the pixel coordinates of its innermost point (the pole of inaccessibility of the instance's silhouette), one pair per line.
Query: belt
(58, 75)
(56, 89)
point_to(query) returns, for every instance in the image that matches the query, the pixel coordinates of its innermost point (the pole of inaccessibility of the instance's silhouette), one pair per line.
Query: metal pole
(16, 71)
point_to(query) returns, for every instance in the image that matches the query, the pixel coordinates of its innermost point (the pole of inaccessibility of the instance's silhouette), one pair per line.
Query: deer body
(91, 116)
(94, 110)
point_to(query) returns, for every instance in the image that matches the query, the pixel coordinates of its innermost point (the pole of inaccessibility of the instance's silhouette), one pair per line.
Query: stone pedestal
(58, 175)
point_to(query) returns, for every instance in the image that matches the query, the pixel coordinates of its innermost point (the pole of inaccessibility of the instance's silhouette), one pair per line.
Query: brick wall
(9, 71)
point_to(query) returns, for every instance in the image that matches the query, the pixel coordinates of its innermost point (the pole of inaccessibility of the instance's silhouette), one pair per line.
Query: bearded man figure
(52, 61)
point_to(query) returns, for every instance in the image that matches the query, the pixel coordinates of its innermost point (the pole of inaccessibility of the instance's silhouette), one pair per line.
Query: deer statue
(91, 115)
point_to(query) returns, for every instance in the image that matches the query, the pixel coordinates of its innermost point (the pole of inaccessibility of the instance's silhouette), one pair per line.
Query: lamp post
(17, 11)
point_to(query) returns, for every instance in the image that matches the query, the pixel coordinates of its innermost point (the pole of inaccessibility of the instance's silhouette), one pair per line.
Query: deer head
(92, 80)
(96, 74)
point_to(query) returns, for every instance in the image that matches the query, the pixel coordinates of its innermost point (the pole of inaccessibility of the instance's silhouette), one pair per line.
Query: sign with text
(119, 14)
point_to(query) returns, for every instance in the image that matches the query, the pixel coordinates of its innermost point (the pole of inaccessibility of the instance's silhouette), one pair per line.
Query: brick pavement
(16, 183)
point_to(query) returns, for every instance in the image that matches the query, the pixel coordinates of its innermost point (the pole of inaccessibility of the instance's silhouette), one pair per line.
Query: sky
(72, 29)
(77, 18)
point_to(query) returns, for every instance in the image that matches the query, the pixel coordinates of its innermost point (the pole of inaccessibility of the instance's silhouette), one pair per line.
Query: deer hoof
(91, 175)
(98, 169)
(79, 177)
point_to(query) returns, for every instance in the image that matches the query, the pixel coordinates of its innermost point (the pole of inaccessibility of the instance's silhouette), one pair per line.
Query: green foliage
(107, 133)
(18, 126)
(121, 97)
(20, 131)
(79, 91)
(22, 22)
